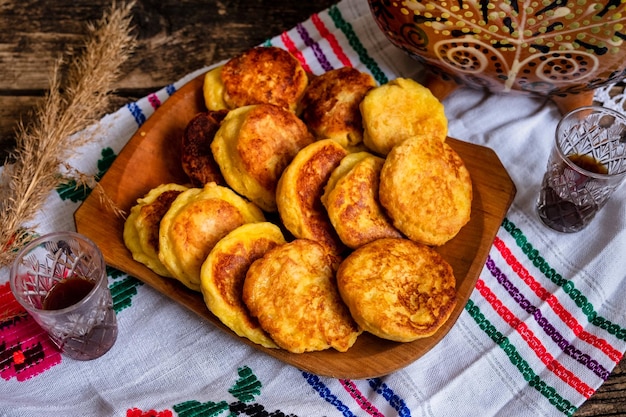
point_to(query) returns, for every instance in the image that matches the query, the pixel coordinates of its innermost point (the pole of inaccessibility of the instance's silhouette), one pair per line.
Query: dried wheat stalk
(76, 99)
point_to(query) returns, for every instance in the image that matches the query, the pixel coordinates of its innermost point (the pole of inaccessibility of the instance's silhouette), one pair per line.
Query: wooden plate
(151, 158)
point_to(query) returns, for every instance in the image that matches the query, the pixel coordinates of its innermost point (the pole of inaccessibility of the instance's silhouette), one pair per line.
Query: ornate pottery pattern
(544, 47)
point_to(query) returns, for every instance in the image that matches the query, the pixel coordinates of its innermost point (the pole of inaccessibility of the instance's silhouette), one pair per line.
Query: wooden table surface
(175, 38)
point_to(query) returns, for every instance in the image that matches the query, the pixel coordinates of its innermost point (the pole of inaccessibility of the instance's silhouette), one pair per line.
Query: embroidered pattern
(394, 400)
(534, 343)
(25, 348)
(154, 100)
(375, 383)
(360, 399)
(245, 390)
(565, 316)
(331, 39)
(317, 51)
(568, 286)
(520, 363)
(135, 412)
(123, 291)
(356, 44)
(550, 330)
(136, 112)
(291, 47)
(316, 383)
(76, 193)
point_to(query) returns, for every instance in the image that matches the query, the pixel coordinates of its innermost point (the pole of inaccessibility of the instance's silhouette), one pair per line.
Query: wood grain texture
(175, 38)
(154, 147)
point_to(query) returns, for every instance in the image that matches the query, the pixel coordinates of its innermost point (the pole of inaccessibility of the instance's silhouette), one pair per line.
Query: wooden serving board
(152, 158)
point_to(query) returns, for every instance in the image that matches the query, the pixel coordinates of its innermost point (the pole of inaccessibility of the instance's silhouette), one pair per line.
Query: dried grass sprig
(76, 99)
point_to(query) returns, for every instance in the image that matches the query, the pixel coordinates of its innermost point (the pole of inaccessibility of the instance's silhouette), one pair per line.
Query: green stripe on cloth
(516, 359)
(356, 44)
(568, 286)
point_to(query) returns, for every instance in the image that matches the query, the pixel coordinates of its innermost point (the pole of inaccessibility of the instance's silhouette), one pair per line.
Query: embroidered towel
(541, 332)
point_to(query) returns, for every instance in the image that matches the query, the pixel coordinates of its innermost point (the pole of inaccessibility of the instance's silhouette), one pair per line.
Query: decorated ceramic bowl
(562, 49)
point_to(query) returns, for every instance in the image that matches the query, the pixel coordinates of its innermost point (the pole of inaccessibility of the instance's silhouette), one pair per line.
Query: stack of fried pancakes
(358, 184)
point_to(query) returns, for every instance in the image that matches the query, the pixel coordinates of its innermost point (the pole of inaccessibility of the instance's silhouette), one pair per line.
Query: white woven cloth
(541, 332)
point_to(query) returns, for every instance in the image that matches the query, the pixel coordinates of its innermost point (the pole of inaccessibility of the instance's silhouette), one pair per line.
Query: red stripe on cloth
(154, 100)
(291, 47)
(360, 399)
(565, 316)
(534, 343)
(331, 39)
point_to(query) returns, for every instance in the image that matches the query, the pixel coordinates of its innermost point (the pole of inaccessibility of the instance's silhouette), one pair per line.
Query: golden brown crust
(224, 271)
(196, 156)
(292, 291)
(299, 192)
(195, 222)
(426, 190)
(330, 105)
(398, 110)
(264, 75)
(253, 147)
(141, 228)
(397, 289)
(351, 201)
(213, 90)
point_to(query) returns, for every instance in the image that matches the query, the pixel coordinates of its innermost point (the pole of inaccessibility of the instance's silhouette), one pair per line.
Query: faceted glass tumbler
(87, 328)
(586, 165)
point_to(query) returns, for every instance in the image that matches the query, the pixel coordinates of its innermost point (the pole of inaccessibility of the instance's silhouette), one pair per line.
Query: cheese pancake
(264, 75)
(292, 291)
(224, 271)
(397, 289)
(213, 90)
(196, 156)
(398, 110)
(196, 221)
(299, 192)
(254, 145)
(351, 201)
(330, 105)
(141, 228)
(426, 190)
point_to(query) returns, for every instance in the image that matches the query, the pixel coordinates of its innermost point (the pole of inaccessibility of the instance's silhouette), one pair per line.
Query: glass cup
(61, 281)
(587, 163)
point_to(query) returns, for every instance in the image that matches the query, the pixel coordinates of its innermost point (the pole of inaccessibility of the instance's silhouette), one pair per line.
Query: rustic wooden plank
(174, 39)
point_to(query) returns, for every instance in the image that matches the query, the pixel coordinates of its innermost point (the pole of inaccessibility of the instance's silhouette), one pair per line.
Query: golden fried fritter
(299, 192)
(253, 147)
(263, 75)
(398, 110)
(141, 228)
(196, 221)
(292, 291)
(196, 156)
(330, 105)
(224, 271)
(426, 190)
(213, 90)
(397, 289)
(351, 201)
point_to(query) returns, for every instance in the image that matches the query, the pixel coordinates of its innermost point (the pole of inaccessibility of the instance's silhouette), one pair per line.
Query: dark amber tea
(61, 280)
(569, 208)
(66, 293)
(586, 164)
(589, 163)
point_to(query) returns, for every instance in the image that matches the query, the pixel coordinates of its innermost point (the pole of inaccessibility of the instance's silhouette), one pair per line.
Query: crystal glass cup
(586, 165)
(61, 281)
